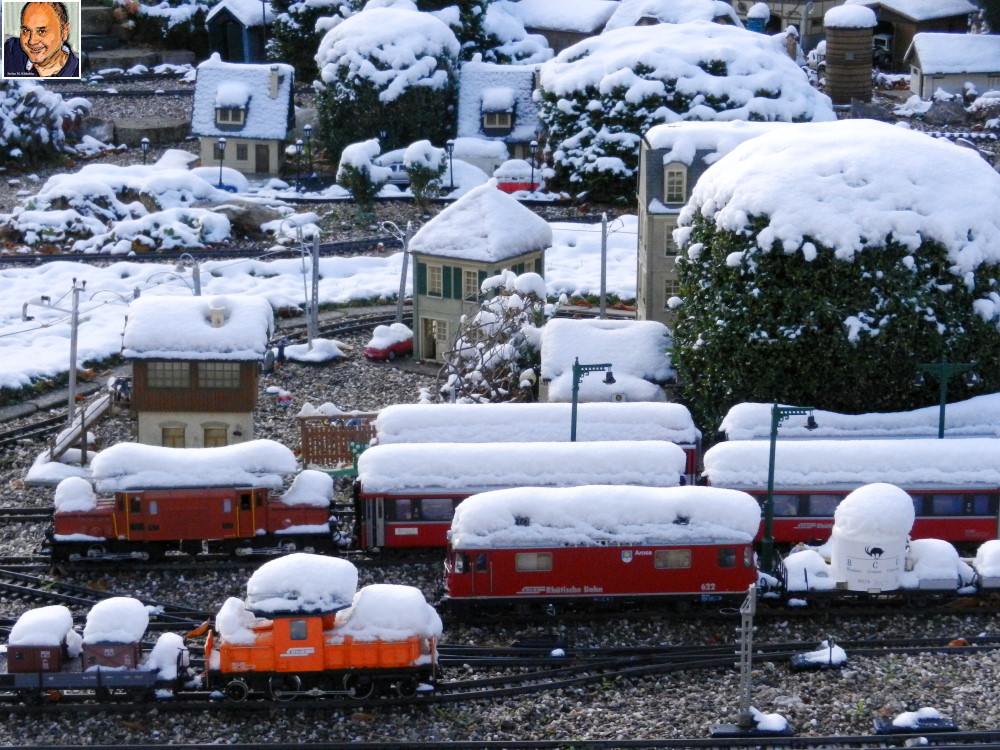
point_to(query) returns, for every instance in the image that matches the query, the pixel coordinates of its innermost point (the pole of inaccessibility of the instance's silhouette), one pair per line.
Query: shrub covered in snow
(387, 68)
(821, 264)
(36, 125)
(425, 166)
(358, 173)
(599, 96)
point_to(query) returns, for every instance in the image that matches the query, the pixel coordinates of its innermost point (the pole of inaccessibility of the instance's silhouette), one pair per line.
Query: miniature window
(470, 285)
(947, 504)
(154, 508)
(229, 115)
(669, 246)
(298, 630)
(497, 120)
(671, 288)
(824, 505)
(671, 558)
(245, 501)
(135, 504)
(401, 510)
(437, 509)
(727, 557)
(168, 375)
(786, 505)
(216, 437)
(219, 374)
(435, 281)
(674, 183)
(172, 437)
(533, 561)
(242, 152)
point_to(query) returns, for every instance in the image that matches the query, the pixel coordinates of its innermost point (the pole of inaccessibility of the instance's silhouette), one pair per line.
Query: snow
(582, 16)
(536, 423)
(630, 12)
(803, 180)
(806, 570)
(387, 612)
(120, 619)
(935, 560)
(42, 626)
(604, 515)
(302, 582)
(386, 336)
(181, 328)
(163, 658)
(134, 466)
(490, 87)
(475, 467)
(912, 719)
(310, 487)
(249, 12)
(685, 139)
(267, 116)
(922, 10)
(941, 54)
(637, 350)
(361, 156)
(975, 417)
(852, 463)
(850, 17)
(74, 495)
(874, 511)
(827, 653)
(484, 225)
(233, 622)
(987, 560)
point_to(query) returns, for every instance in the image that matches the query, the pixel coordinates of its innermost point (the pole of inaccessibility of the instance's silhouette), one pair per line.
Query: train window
(947, 504)
(537, 561)
(672, 558)
(298, 630)
(727, 557)
(461, 562)
(227, 505)
(401, 510)
(823, 505)
(481, 562)
(259, 498)
(437, 509)
(153, 508)
(135, 505)
(786, 505)
(984, 505)
(245, 501)
(747, 557)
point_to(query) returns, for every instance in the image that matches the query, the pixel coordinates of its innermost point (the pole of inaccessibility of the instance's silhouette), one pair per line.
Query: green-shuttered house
(482, 233)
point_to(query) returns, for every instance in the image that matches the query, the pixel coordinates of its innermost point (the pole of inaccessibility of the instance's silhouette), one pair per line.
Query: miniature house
(237, 30)
(949, 61)
(495, 103)
(482, 233)
(194, 368)
(242, 114)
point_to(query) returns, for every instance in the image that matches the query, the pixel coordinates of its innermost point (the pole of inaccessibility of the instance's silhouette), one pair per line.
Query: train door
(238, 514)
(482, 578)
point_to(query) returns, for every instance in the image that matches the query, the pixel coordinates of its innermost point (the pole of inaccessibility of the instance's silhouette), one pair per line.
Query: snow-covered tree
(599, 96)
(822, 263)
(294, 35)
(495, 358)
(390, 69)
(34, 122)
(359, 174)
(987, 18)
(425, 165)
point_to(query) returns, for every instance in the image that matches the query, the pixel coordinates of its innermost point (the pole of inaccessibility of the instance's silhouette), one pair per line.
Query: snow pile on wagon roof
(935, 559)
(120, 619)
(233, 622)
(815, 463)
(74, 495)
(182, 327)
(310, 487)
(536, 423)
(42, 626)
(874, 511)
(302, 582)
(987, 561)
(388, 612)
(599, 514)
(472, 467)
(163, 659)
(975, 417)
(134, 466)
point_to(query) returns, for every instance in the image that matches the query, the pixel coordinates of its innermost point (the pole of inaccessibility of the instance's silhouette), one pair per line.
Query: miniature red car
(389, 342)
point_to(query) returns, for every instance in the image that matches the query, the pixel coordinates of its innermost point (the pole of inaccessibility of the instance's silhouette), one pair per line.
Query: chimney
(274, 81)
(217, 316)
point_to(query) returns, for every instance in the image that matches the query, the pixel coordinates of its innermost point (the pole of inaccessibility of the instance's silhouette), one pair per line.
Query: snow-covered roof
(73, 495)
(428, 468)
(807, 464)
(630, 12)
(120, 619)
(754, 63)
(310, 487)
(267, 116)
(718, 138)
(388, 612)
(582, 16)
(975, 417)
(850, 17)
(42, 626)
(851, 184)
(134, 466)
(302, 582)
(182, 328)
(940, 53)
(488, 87)
(638, 351)
(248, 12)
(921, 10)
(485, 225)
(603, 515)
(534, 423)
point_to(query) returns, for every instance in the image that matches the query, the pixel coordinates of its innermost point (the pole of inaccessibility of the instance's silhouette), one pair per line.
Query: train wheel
(237, 691)
(288, 546)
(95, 551)
(407, 687)
(359, 686)
(284, 688)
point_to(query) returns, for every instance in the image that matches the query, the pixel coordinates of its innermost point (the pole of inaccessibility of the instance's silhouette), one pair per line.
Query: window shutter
(456, 282)
(446, 282)
(421, 278)
(481, 278)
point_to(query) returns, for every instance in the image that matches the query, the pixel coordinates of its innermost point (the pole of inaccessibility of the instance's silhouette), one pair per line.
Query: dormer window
(498, 120)
(230, 116)
(674, 183)
(498, 110)
(231, 101)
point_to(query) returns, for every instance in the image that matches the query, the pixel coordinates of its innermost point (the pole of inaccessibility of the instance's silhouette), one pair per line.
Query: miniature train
(304, 630)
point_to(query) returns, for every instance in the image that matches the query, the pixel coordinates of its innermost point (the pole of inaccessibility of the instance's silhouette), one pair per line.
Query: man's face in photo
(41, 35)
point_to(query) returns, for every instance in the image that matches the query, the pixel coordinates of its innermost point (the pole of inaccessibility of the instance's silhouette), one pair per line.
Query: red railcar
(406, 494)
(538, 547)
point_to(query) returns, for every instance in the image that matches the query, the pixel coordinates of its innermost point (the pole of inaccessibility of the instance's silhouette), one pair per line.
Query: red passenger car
(540, 547)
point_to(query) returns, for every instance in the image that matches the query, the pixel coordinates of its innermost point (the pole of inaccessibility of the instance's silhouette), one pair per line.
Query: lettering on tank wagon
(875, 565)
(299, 651)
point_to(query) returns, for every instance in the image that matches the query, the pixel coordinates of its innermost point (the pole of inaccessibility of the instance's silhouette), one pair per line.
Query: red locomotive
(191, 500)
(406, 494)
(542, 547)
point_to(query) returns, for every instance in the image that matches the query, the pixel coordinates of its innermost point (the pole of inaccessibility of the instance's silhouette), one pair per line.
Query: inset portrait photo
(41, 39)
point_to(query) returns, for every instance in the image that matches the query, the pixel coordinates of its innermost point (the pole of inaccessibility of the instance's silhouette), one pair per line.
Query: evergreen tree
(989, 13)
(294, 38)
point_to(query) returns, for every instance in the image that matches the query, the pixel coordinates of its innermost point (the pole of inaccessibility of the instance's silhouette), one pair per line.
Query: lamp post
(778, 415)
(403, 237)
(298, 163)
(144, 145)
(308, 130)
(534, 148)
(579, 371)
(220, 151)
(449, 146)
(944, 372)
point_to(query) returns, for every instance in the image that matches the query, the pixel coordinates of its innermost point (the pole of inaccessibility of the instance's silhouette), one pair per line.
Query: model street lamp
(144, 145)
(778, 415)
(308, 130)
(579, 371)
(220, 152)
(945, 371)
(534, 148)
(449, 146)
(298, 163)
